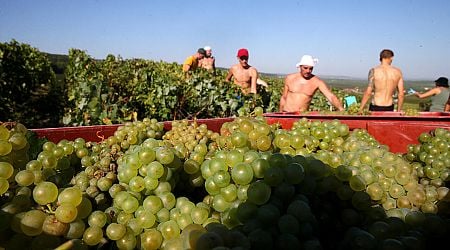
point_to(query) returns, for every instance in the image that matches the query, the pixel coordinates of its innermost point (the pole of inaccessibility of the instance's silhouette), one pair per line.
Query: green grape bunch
(411, 112)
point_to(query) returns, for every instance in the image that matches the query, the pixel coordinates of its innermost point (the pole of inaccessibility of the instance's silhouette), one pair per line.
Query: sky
(345, 35)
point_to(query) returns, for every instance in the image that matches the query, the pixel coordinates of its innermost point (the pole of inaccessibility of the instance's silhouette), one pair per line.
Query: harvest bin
(389, 128)
(98, 132)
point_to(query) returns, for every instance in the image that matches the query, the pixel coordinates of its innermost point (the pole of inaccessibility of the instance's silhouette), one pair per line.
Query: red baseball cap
(242, 52)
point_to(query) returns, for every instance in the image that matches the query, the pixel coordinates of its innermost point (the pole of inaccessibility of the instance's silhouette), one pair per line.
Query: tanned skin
(384, 80)
(208, 62)
(243, 75)
(299, 89)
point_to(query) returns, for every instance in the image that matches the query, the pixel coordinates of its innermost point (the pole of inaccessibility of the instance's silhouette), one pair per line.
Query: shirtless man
(208, 62)
(244, 75)
(383, 81)
(299, 88)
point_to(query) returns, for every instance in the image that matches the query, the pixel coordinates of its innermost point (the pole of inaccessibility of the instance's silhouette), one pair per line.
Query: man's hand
(361, 111)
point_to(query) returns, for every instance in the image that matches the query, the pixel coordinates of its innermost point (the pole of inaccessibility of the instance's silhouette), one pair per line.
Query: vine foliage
(116, 90)
(29, 92)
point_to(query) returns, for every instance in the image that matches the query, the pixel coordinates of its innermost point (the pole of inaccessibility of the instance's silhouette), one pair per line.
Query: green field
(361, 83)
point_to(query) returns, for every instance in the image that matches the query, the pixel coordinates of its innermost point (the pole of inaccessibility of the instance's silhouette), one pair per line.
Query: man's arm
(187, 64)
(284, 95)
(447, 105)
(186, 67)
(330, 96)
(254, 77)
(430, 92)
(368, 92)
(401, 94)
(229, 75)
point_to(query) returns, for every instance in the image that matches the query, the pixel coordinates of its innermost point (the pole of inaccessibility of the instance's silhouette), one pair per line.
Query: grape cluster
(244, 133)
(299, 203)
(307, 137)
(353, 109)
(40, 197)
(359, 160)
(193, 143)
(431, 156)
(430, 160)
(411, 112)
(189, 138)
(228, 175)
(387, 178)
(13, 152)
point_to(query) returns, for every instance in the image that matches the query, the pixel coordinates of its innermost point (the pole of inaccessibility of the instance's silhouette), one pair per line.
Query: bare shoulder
(291, 77)
(234, 67)
(397, 70)
(316, 80)
(376, 68)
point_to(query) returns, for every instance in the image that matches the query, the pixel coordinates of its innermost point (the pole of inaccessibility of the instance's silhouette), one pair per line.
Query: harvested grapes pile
(250, 185)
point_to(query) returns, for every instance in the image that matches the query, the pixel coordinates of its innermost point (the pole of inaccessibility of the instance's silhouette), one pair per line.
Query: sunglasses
(306, 68)
(242, 58)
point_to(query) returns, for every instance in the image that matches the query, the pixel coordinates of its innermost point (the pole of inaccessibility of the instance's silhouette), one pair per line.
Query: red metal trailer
(98, 132)
(390, 128)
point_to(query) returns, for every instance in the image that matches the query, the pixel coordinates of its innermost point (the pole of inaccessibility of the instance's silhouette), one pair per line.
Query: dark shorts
(381, 108)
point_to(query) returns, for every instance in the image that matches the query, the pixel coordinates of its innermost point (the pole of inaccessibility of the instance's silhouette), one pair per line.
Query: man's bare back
(384, 80)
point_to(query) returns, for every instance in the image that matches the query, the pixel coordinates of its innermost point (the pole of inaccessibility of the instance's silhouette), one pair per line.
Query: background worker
(243, 74)
(439, 95)
(191, 62)
(208, 62)
(383, 81)
(299, 88)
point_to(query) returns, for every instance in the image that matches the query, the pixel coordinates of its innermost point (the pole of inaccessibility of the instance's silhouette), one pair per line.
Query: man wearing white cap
(208, 62)
(299, 88)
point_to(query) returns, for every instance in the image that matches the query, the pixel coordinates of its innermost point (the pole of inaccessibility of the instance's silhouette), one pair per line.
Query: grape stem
(49, 209)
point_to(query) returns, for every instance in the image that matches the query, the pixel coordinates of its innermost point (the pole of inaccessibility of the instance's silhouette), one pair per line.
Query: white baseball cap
(307, 60)
(207, 48)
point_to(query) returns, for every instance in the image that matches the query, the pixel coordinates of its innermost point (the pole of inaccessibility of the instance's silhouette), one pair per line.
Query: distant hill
(58, 62)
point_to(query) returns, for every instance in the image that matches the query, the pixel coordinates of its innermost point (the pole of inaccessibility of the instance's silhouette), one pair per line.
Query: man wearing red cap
(243, 74)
